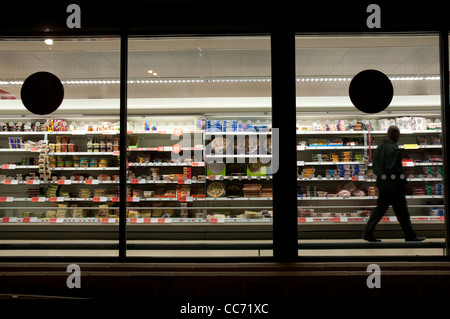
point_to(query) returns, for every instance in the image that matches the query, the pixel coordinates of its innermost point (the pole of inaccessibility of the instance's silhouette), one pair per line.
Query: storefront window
(336, 143)
(199, 130)
(59, 170)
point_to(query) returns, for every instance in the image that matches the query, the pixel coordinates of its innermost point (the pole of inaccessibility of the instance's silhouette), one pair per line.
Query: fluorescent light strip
(228, 80)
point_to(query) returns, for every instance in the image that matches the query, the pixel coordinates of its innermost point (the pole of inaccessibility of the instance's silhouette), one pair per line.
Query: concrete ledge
(216, 281)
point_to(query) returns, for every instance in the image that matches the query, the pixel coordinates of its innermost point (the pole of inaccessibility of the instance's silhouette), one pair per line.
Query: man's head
(393, 133)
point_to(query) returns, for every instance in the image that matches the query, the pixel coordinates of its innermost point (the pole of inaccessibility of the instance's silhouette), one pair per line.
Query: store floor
(337, 251)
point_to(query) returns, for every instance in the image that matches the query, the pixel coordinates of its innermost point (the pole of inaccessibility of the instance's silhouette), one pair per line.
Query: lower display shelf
(151, 220)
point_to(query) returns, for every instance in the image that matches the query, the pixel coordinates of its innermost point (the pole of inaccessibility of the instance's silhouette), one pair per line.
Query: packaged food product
(83, 162)
(146, 213)
(78, 213)
(216, 189)
(51, 214)
(219, 144)
(250, 214)
(103, 163)
(103, 212)
(93, 162)
(132, 213)
(149, 194)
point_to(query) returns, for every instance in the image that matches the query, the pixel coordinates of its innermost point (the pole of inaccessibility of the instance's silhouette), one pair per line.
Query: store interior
(199, 145)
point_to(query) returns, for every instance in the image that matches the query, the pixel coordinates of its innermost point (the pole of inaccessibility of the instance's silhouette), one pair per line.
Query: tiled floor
(218, 253)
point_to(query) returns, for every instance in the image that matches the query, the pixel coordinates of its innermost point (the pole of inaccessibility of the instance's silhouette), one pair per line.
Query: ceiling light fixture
(48, 41)
(221, 80)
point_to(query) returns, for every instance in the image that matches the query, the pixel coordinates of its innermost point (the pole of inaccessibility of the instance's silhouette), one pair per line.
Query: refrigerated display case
(337, 183)
(336, 142)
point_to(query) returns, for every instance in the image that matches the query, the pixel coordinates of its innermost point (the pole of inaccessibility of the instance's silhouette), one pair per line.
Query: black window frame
(129, 20)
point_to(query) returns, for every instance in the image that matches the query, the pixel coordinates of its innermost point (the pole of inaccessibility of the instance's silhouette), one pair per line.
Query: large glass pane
(58, 178)
(199, 179)
(337, 143)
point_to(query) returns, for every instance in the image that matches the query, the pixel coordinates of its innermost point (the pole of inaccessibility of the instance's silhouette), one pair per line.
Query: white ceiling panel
(216, 57)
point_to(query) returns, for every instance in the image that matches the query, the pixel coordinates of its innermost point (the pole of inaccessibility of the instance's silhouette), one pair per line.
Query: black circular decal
(42, 93)
(371, 91)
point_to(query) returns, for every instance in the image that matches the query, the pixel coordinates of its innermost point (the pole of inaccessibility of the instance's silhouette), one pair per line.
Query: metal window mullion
(285, 229)
(123, 147)
(445, 115)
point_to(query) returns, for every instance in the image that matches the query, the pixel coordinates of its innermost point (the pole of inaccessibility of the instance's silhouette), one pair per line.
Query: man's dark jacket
(387, 163)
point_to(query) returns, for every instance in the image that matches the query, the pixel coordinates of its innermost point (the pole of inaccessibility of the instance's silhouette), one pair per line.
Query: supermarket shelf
(362, 147)
(42, 199)
(331, 198)
(34, 149)
(14, 166)
(365, 132)
(59, 182)
(221, 177)
(364, 179)
(22, 133)
(115, 132)
(159, 220)
(221, 156)
(411, 164)
(170, 132)
(331, 147)
(164, 149)
(84, 168)
(191, 199)
(302, 163)
(136, 181)
(237, 133)
(193, 164)
(83, 153)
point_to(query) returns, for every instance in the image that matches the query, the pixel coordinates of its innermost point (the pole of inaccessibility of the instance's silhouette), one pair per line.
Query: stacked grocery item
(44, 168)
(235, 126)
(339, 157)
(427, 190)
(371, 191)
(266, 192)
(252, 190)
(84, 193)
(410, 123)
(307, 172)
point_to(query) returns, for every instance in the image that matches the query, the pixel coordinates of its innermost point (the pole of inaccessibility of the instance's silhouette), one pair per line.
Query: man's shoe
(371, 239)
(417, 238)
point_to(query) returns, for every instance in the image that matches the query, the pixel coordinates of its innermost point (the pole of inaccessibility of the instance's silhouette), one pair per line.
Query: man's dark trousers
(398, 201)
